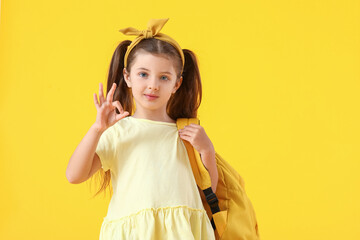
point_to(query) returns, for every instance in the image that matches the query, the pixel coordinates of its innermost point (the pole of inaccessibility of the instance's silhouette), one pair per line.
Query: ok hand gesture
(106, 109)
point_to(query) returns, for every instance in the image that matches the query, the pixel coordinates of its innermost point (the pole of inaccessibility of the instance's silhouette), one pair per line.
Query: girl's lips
(151, 97)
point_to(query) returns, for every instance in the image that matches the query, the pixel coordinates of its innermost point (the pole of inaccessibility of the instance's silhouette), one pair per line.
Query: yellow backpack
(230, 210)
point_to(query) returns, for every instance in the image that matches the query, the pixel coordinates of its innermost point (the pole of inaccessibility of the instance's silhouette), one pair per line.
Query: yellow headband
(152, 31)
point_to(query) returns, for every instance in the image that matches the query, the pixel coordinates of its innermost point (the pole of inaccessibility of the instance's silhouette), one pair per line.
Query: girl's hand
(195, 134)
(106, 110)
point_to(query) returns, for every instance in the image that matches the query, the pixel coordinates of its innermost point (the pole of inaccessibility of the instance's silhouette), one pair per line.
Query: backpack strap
(201, 174)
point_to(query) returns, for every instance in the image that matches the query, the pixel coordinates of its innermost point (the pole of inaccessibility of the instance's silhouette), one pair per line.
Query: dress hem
(154, 210)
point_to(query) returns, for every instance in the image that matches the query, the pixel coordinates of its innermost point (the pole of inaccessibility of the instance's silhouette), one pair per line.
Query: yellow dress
(155, 195)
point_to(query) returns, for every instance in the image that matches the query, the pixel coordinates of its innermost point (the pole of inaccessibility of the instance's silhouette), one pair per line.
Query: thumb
(122, 112)
(122, 115)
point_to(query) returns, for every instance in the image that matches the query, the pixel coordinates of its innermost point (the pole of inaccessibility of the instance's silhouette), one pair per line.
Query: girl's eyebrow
(149, 70)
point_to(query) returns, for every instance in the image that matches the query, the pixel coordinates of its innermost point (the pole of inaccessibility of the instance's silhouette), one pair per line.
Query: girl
(139, 148)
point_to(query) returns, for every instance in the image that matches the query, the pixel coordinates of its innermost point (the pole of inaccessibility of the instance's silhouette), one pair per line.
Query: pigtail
(186, 100)
(122, 94)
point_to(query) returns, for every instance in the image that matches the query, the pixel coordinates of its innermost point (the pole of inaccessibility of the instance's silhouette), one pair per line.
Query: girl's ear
(127, 77)
(177, 84)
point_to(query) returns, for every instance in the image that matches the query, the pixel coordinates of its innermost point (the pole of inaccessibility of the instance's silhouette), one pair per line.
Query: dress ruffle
(170, 223)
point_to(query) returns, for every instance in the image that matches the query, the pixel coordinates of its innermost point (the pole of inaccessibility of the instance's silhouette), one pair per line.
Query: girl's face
(152, 79)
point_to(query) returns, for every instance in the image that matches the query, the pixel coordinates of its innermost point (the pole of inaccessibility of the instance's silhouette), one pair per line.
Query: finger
(120, 116)
(96, 101)
(187, 138)
(101, 94)
(191, 127)
(118, 106)
(186, 133)
(110, 94)
(188, 130)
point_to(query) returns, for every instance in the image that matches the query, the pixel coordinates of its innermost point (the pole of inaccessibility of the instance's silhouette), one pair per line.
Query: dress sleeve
(106, 148)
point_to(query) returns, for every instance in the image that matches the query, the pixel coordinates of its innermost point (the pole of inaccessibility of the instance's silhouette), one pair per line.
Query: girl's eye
(142, 73)
(164, 77)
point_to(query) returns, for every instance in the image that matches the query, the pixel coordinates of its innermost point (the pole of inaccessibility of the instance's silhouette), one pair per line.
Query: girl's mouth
(151, 97)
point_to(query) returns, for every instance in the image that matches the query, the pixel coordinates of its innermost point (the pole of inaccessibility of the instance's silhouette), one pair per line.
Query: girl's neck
(154, 117)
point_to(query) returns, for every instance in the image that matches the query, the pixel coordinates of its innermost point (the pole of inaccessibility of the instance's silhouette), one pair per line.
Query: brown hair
(184, 103)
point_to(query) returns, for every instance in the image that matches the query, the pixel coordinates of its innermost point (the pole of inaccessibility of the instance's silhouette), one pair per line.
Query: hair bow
(153, 31)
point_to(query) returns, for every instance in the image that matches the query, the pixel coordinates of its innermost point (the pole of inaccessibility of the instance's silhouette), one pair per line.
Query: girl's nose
(153, 84)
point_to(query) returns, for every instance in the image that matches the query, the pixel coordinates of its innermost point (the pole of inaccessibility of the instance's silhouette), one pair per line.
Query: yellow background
(280, 103)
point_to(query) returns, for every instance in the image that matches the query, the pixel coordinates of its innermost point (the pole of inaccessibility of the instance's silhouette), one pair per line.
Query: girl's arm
(209, 161)
(210, 165)
(81, 161)
(80, 166)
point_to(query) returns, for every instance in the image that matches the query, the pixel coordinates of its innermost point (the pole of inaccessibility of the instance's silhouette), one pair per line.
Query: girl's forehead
(153, 61)
(146, 56)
